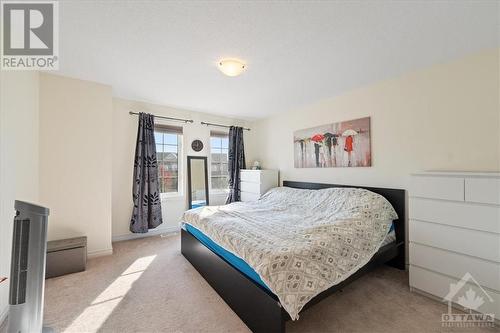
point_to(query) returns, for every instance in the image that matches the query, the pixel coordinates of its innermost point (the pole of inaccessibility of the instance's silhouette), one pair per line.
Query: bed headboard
(397, 198)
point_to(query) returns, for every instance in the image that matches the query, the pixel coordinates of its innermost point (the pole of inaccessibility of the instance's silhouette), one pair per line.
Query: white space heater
(27, 274)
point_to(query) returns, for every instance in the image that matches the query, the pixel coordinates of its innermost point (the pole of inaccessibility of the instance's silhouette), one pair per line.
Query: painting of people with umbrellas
(342, 144)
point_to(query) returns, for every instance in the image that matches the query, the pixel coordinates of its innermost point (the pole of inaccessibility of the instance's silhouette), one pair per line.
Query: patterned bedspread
(300, 242)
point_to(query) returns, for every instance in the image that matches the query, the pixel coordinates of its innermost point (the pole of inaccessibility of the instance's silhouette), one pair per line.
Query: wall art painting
(342, 144)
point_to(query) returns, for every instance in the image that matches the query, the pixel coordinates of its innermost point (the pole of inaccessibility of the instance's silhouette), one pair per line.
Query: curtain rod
(218, 125)
(168, 118)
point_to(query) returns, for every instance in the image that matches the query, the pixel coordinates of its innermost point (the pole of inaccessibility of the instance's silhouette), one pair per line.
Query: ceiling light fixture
(231, 67)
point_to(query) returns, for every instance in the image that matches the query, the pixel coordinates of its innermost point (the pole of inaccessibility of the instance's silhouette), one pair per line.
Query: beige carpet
(148, 286)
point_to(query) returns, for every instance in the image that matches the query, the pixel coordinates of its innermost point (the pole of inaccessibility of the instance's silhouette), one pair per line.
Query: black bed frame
(256, 306)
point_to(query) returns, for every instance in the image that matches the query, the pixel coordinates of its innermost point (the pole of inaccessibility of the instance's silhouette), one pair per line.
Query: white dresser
(454, 229)
(254, 183)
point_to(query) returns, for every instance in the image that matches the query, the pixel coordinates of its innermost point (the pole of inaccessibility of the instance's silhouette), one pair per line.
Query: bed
(261, 296)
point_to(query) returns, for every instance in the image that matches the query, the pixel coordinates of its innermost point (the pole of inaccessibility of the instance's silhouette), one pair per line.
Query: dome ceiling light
(231, 67)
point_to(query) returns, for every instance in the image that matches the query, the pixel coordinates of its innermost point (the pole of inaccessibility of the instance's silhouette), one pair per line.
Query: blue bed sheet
(235, 261)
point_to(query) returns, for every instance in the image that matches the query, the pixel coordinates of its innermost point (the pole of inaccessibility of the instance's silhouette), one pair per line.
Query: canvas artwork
(342, 144)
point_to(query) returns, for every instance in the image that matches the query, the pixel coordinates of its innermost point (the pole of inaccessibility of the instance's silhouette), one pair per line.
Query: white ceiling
(296, 52)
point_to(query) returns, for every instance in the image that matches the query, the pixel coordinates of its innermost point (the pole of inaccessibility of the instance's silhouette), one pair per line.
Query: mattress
(239, 263)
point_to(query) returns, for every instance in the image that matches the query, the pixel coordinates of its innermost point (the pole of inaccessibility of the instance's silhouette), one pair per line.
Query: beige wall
(75, 159)
(18, 158)
(442, 118)
(124, 138)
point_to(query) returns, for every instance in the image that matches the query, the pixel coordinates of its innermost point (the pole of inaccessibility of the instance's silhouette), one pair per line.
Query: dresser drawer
(251, 187)
(435, 187)
(439, 285)
(475, 243)
(482, 190)
(252, 176)
(461, 214)
(246, 196)
(453, 264)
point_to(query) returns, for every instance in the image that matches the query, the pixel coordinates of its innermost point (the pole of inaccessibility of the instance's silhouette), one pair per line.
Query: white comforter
(300, 242)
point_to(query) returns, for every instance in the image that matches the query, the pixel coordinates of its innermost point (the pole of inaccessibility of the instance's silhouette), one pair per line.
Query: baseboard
(152, 232)
(99, 253)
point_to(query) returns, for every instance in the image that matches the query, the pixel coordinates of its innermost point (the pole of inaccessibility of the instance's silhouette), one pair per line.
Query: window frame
(219, 134)
(162, 128)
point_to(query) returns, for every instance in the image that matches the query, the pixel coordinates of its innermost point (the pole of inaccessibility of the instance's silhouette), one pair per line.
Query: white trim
(99, 253)
(153, 232)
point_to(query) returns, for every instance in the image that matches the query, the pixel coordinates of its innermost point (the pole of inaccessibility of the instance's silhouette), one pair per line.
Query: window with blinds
(168, 141)
(219, 176)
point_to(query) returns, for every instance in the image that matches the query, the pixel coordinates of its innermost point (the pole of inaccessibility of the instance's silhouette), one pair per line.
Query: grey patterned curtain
(236, 162)
(146, 195)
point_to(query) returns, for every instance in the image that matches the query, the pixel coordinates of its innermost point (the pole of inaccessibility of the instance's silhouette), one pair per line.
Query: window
(219, 151)
(168, 141)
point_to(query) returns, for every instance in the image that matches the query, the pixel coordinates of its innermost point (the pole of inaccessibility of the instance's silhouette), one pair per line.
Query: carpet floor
(148, 286)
